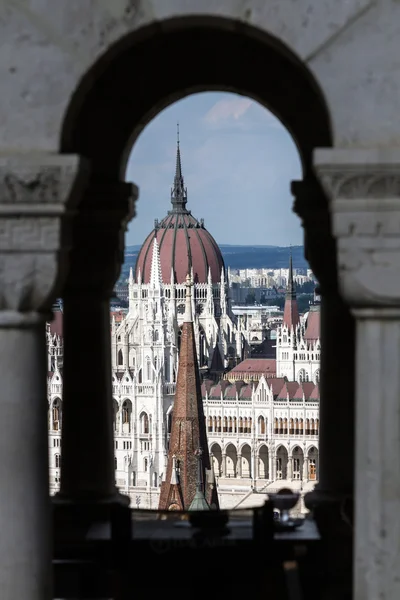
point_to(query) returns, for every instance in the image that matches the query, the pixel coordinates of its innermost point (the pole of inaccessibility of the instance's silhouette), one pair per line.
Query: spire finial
(178, 191)
(188, 316)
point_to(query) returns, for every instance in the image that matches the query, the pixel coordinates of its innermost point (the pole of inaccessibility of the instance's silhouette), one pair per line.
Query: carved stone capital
(311, 205)
(37, 197)
(364, 191)
(99, 238)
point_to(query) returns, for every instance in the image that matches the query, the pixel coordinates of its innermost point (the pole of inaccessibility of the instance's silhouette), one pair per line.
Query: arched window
(291, 426)
(225, 426)
(145, 465)
(210, 424)
(317, 376)
(144, 423)
(240, 425)
(301, 427)
(285, 426)
(316, 426)
(276, 426)
(302, 376)
(261, 425)
(125, 412)
(55, 414)
(234, 425)
(307, 426)
(120, 358)
(230, 425)
(219, 424)
(57, 461)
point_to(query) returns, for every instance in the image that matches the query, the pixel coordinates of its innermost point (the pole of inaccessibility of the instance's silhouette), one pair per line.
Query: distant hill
(242, 257)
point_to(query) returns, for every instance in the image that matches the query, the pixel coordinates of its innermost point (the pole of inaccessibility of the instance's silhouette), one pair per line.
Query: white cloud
(231, 108)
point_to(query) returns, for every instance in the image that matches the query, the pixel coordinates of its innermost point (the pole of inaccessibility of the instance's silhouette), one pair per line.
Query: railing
(143, 388)
(169, 388)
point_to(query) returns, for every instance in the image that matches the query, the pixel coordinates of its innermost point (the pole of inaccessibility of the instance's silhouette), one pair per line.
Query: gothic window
(145, 465)
(57, 461)
(230, 425)
(291, 426)
(302, 376)
(234, 425)
(301, 427)
(307, 426)
(181, 309)
(120, 358)
(219, 425)
(245, 425)
(285, 339)
(317, 376)
(144, 423)
(156, 336)
(249, 425)
(285, 426)
(56, 415)
(225, 427)
(316, 426)
(210, 424)
(261, 425)
(240, 425)
(276, 426)
(125, 412)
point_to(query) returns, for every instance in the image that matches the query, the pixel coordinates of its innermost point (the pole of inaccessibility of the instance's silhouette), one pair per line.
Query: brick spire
(291, 310)
(188, 431)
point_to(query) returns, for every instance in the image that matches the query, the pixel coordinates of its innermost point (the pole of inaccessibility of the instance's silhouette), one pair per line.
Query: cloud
(231, 108)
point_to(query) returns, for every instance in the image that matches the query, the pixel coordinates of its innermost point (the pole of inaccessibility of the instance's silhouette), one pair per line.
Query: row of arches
(304, 376)
(296, 426)
(265, 464)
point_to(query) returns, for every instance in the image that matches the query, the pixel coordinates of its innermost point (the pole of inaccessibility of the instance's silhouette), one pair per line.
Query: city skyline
(219, 131)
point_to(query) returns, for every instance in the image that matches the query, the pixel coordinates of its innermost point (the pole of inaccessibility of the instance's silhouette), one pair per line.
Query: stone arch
(281, 461)
(263, 462)
(216, 452)
(231, 460)
(105, 89)
(246, 466)
(297, 463)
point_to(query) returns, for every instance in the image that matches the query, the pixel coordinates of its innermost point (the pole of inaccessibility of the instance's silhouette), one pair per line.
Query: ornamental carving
(365, 209)
(37, 195)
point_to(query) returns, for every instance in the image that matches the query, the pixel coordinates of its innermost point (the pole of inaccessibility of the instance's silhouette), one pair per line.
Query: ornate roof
(184, 243)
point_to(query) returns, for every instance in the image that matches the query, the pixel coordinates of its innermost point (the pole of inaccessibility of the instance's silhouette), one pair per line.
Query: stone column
(289, 475)
(239, 466)
(305, 469)
(223, 465)
(37, 193)
(337, 351)
(87, 461)
(364, 187)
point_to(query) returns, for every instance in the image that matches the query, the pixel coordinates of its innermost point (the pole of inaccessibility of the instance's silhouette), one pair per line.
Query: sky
(238, 161)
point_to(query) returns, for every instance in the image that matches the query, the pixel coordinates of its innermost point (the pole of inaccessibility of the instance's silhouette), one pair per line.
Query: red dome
(183, 242)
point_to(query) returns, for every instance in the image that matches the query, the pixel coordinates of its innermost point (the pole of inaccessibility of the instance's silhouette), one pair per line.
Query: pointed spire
(174, 474)
(209, 278)
(188, 316)
(139, 277)
(178, 191)
(131, 280)
(188, 430)
(290, 288)
(155, 272)
(291, 310)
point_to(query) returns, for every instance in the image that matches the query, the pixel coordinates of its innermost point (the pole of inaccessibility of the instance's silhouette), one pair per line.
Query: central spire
(178, 191)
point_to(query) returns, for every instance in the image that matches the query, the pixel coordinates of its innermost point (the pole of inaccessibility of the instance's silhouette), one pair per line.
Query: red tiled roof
(291, 313)
(256, 365)
(313, 329)
(276, 384)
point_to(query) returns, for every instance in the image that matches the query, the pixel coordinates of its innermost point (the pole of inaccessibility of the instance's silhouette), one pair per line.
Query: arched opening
(261, 425)
(126, 416)
(281, 463)
(263, 462)
(231, 461)
(246, 462)
(297, 463)
(216, 452)
(312, 456)
(56, 414)
(221, 58)
(144, 423)
(120, 360)
(115, 414)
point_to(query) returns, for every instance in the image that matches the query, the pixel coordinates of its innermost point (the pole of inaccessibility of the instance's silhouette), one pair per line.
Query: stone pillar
(289, 475)
(87, 461)
(239, 466)
(305, 469)
(37, 193)
(223, 473)
(364, 188)
(337, 351)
